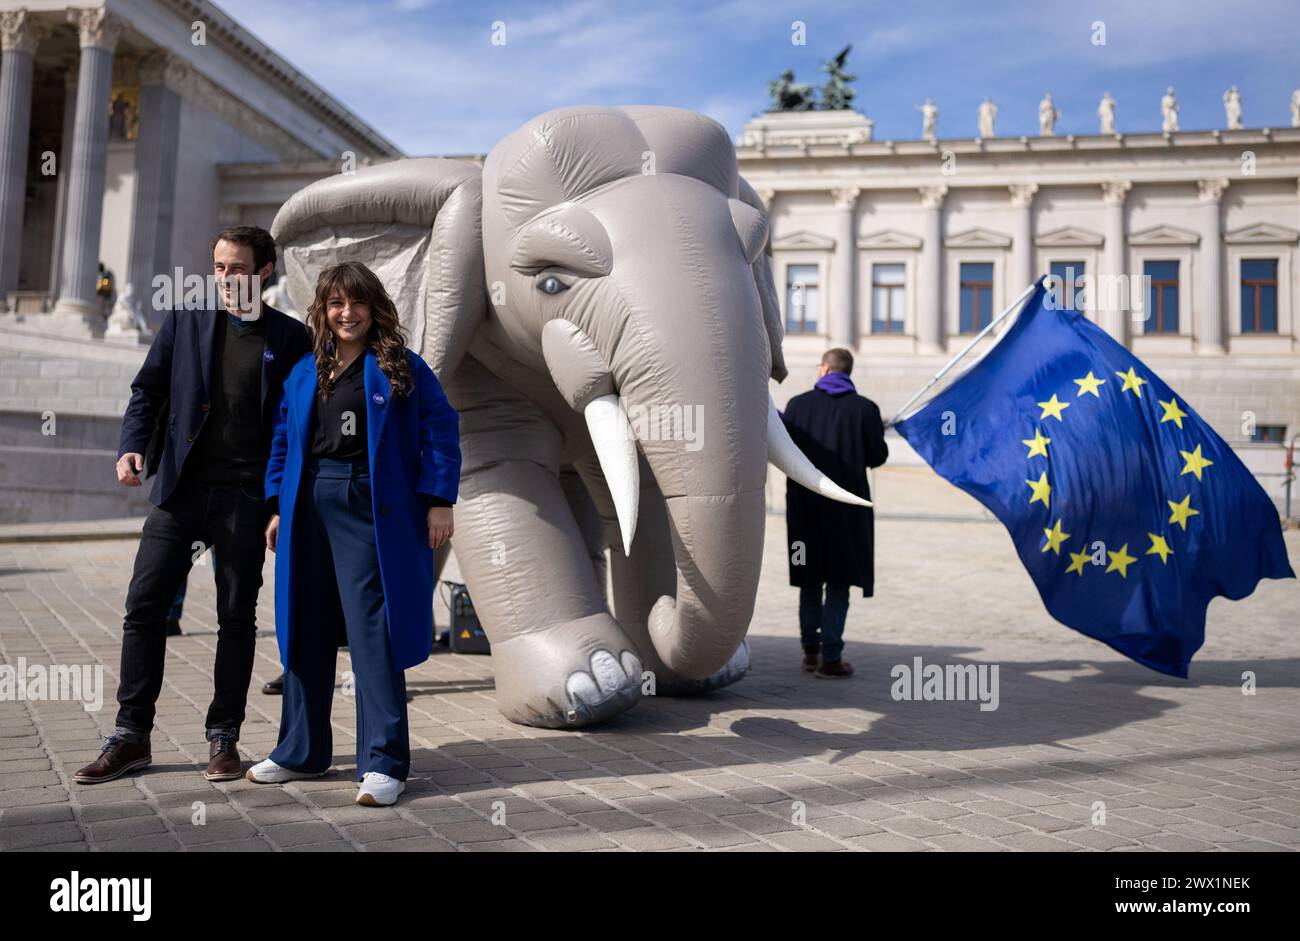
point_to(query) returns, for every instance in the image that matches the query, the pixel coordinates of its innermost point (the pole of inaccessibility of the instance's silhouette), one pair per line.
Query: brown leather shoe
(834, 670)
(274, 687)
(223, 760)
(812, 658)
(116, 759)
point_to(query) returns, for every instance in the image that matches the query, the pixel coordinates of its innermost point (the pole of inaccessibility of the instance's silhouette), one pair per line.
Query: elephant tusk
(786, 457)
(615, 443)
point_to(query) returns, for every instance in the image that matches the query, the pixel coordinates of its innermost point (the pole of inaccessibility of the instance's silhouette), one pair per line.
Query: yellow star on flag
(1132, 382)
(1160, 547)
(1182, 511)
(1120, 561)
(1172, 412)
(1078, 560)
(1042, 490)
(1195, 463)
(1037, 444)
(1054, 538)
(1089, 383)
(1053, 407)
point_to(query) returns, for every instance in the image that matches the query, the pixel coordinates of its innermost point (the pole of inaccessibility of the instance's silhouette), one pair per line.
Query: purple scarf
(835, 383)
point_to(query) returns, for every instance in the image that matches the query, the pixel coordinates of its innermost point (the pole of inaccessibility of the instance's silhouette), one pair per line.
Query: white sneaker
(379, 790)
(268, 772)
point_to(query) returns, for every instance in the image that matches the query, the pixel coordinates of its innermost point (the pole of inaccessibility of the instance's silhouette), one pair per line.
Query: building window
(1269, 434)
(1162, 296)
(1259, 295)
(976, 296)
(1070, 275)
(887, 298)
(801, 298)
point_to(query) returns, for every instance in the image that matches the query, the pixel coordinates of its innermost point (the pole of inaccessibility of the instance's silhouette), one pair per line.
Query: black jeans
(231, 518)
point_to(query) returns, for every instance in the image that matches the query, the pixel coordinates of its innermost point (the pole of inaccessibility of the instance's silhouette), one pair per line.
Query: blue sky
(426, 74)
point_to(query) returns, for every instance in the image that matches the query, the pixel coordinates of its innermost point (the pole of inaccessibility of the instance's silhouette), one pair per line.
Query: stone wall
(77, 390)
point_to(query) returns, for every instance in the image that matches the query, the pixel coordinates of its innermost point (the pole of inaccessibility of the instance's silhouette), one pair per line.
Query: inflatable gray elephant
(598, 303)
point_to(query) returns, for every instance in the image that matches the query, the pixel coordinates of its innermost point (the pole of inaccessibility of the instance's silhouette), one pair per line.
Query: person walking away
(832, 545)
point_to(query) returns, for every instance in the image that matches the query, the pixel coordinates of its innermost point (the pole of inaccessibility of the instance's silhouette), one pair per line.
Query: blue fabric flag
(1127, 510)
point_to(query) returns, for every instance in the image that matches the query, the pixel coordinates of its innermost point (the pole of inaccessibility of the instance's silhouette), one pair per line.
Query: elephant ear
(417, 224)
(762, 267)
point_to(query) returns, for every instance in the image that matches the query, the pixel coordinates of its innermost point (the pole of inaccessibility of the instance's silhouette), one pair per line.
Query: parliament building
(134, 129)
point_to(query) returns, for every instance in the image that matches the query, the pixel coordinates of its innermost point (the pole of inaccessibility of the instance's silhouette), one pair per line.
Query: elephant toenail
(631, 666)
(607, 671)
(582, 689)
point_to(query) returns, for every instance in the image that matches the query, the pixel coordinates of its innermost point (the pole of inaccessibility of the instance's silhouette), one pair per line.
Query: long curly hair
(387, 337)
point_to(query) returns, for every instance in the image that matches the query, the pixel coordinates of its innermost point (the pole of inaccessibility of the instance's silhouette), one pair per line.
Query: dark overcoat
(842, 435)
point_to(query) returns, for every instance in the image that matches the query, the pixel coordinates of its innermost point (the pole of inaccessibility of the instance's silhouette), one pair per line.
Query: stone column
(70, 76)
(930, 337)
(155, 187)
(19, 36)
(77, 310)
(1110, 300)
(840, 316)
(1022, 237)
(1209, 322)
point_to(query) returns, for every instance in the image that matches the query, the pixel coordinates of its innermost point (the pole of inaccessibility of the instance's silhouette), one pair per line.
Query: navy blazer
(413, 443)
(177, 376)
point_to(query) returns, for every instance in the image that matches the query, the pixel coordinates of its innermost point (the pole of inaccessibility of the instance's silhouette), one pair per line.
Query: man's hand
(272, 532)
(440, 525)
(129, 467)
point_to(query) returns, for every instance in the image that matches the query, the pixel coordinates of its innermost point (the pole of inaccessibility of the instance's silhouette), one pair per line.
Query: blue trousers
(823, 623)
(337, 581)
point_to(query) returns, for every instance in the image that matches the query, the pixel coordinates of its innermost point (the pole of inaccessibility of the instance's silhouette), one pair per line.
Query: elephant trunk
(701, 422)
(696, 633)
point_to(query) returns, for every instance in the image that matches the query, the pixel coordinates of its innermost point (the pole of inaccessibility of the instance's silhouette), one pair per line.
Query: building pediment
(1069, 236)
(978, 238)
(889, 238)
(803, 240)
(1164, 235)
(1262, 233)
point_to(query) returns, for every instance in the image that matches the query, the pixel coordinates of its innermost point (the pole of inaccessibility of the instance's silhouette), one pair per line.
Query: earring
(329, 346)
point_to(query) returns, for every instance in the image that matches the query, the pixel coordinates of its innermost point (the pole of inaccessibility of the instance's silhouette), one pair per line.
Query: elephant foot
(734, 670)
(567, 676)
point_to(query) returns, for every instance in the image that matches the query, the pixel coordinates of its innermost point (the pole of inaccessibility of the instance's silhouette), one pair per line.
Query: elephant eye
(552, 285)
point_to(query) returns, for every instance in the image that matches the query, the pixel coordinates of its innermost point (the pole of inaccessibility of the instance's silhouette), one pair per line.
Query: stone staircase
(61, 404)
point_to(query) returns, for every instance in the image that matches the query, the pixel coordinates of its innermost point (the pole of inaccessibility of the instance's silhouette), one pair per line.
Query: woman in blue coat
(364, 467)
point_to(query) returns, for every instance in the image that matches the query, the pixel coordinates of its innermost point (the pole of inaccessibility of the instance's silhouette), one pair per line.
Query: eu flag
(1127, 510)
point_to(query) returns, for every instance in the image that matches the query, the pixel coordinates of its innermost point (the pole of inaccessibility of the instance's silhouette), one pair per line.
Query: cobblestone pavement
(1086, 750)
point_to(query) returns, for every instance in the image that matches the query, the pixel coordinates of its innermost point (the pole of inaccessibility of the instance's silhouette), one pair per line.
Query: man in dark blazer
(204, 399)
(831, 544)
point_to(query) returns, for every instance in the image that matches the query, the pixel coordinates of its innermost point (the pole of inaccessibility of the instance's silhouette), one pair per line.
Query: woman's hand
(440, 525)
(272, 532)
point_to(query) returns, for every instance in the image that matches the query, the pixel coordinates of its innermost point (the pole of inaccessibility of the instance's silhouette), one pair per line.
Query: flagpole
(1010, 309)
